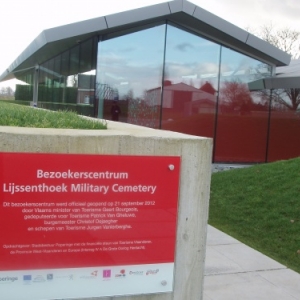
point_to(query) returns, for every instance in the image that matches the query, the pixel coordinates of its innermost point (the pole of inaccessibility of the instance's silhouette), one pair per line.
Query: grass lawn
(25, 116)
(260, 206)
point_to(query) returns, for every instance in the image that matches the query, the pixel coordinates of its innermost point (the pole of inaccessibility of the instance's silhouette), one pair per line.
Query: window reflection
(284, 141)
(24, 90)
(242, 125)
(199, 93)
(67, 82)
(129, 71)
(190, 85)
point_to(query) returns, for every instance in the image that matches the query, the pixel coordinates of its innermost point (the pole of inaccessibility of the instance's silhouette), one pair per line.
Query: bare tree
(6, 93)
(236, 97)
(285, 39)
(290, 98)
(10, 91)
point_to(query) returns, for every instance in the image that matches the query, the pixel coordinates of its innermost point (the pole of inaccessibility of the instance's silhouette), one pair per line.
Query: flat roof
(54, 41)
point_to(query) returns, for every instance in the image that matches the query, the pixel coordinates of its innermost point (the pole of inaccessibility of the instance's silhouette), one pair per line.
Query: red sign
(72, 211)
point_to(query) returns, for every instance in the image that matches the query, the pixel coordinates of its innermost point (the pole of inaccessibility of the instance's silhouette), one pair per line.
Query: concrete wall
(125, 139)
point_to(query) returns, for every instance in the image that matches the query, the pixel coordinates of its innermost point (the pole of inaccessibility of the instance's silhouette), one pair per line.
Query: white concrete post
(124, 139)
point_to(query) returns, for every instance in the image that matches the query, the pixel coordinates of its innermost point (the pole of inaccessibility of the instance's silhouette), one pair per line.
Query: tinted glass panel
(87, 51)
(45, 78)
(24, 91)
(129, 73)
(242, 125)
(74, 60)
(67, 82)
(65, 63)
(86, 77)
(284, 141)
(191, 83)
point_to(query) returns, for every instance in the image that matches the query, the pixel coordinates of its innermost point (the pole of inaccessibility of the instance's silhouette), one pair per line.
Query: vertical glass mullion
(163, 75)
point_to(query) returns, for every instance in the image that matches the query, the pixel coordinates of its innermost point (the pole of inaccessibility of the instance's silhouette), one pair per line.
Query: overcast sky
(21, 21)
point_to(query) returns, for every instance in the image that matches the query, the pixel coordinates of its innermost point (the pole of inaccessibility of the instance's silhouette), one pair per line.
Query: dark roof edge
(273, 83)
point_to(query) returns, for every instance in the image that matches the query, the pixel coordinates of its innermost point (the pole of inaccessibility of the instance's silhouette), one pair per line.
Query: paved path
(234, 271)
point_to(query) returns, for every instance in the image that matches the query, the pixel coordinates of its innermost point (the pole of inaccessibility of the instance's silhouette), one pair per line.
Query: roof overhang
(54, 41)
(274, 83)
(286, 78)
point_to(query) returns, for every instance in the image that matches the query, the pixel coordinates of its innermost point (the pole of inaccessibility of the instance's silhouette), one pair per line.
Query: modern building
(171, 66)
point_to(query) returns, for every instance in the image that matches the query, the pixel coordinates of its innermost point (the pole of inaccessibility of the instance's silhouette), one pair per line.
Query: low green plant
(260, 206)
(25, 116)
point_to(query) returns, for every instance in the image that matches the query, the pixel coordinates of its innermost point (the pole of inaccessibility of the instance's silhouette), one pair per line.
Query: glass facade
(284, 140)
(242, 119)
(129, 73)
(67, 81)
(25, 91)
(190, 83)
(166, 77)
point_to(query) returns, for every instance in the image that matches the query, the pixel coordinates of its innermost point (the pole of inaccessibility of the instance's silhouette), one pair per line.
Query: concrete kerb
(125, 139)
